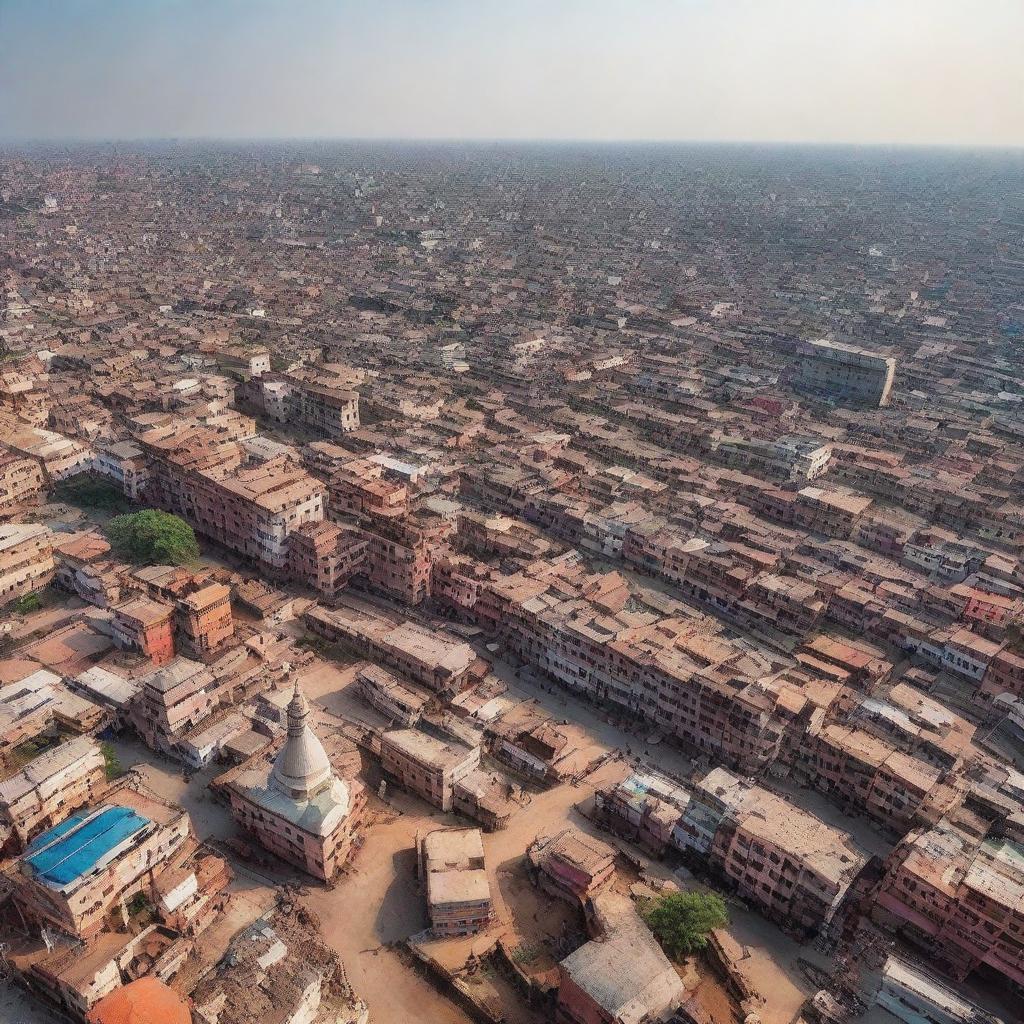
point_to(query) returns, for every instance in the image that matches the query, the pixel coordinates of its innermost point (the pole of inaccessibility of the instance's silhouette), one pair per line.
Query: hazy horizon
(921, 73)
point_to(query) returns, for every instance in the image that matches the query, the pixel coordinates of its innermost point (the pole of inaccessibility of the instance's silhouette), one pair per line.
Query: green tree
(152, 537)
(28, 603)
(111, 761)
(681, 920)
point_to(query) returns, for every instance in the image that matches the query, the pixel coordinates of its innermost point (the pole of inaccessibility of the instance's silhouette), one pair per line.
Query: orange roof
(146, 1001)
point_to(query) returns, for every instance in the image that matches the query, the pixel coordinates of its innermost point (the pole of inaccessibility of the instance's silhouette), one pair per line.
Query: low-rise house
(621, 976)
(487, 798)
(39, 706)
(434, 658)
(73, 977)
(427, 766)
(403, 704)
(74, 553)
(645, 808)
(572, 864)
(533, 743)
(106, 689)
(146, 999)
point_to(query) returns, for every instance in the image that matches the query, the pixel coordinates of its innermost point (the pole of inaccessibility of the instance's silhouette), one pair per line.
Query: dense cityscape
(515, 583)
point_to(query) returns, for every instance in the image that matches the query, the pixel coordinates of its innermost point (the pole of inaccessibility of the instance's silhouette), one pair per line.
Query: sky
(860, 71)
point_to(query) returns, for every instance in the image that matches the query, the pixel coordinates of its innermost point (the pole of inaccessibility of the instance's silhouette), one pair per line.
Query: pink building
(960, 897)
(294, 804)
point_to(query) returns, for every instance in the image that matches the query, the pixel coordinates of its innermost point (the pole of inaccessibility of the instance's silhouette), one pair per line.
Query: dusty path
(380, 903)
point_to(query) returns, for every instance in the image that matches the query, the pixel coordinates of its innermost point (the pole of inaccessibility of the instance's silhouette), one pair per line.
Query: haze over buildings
(891, 71)
(522, 533)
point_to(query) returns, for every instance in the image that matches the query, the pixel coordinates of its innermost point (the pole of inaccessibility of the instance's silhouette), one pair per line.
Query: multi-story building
(59, 457)
(253, 511)
(124, 463)
(318, 399)
(431, 657)
(959, 896)
(1004, 674)
(77, 874)
(26, 559)
(784, 603)
(401, 552)
(867, 774)
(360, 488)
(50, 787)
(831, 512)
(21, 481)
(326, 556)
(696, 686)
(20, 397)
(850, 374)
(202, 606)
(174, 699)
(790, 864)
(324, 408)
(427, 766)
(451, 864)
(144, 626)
(294, 803)
(787, 458)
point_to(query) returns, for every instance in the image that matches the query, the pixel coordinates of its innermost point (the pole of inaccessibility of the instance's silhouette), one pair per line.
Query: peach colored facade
(961, 897)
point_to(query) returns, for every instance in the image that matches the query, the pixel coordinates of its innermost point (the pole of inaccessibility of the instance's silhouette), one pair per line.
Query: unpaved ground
(545, 930)
(334, 688)
(380, 903)
(771, 969)
(46, 620)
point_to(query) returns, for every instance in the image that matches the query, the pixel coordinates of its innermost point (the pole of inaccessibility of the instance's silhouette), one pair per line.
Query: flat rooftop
(76, 846)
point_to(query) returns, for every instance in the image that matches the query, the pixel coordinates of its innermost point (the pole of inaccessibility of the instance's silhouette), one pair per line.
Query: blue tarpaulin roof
(74, 847)
(57, 831)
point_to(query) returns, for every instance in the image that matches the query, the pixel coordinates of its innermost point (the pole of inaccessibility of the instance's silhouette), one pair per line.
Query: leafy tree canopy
(152, 537)
(28, 603)
(681, 920)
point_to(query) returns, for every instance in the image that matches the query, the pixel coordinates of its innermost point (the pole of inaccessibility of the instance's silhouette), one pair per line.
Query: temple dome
(301, 768)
